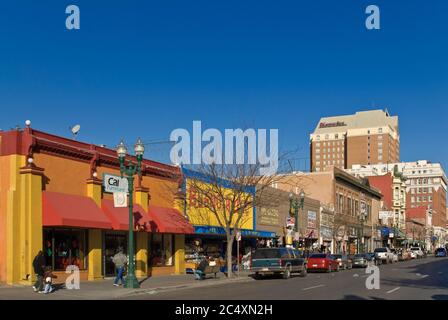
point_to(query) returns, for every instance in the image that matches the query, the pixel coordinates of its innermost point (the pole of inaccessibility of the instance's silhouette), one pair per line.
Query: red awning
(120, 217)
(169, 220)
(64, 210)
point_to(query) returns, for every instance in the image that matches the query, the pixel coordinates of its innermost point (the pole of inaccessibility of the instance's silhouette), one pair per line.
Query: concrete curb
(184, 287)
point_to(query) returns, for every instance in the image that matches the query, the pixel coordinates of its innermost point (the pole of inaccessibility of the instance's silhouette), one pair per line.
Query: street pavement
(425, 279)
(104, 290)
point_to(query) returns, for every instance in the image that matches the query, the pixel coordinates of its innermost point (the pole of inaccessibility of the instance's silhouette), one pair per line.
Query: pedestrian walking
(39, 270)
(120, 261)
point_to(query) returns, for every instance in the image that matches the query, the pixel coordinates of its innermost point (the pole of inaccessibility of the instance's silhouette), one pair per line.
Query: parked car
(344, 261)
(441, 253)
(385, 255)
(419, 252)
(395, 255)
(362, 260)
(278, 261)
(374, 258)
(323, 262)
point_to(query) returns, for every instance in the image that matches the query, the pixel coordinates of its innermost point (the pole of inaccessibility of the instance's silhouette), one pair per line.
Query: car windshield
(267, 254)
(440, 250)
(360, 256)
(415, 249)
(381, 250)
(337, 256)
(318, 256)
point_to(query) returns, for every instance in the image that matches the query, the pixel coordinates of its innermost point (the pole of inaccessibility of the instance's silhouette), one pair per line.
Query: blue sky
(144, 68)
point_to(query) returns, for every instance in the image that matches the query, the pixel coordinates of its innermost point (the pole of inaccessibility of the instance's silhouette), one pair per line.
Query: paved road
(413, 280)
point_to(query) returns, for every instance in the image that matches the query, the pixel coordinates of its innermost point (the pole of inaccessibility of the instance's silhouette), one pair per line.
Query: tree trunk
(230, 239)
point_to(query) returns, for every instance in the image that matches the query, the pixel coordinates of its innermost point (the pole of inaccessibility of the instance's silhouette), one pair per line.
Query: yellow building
(54, 197)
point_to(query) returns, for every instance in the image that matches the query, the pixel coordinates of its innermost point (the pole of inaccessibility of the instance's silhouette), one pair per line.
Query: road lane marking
(316, 287)
(394, 290)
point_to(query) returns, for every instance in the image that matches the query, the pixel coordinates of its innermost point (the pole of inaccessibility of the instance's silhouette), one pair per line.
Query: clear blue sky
(144, 68)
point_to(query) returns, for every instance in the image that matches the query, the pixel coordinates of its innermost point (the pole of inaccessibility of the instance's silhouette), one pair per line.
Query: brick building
(367, 137)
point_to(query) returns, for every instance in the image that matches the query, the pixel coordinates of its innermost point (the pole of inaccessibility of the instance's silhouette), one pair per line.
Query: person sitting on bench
(200, 270)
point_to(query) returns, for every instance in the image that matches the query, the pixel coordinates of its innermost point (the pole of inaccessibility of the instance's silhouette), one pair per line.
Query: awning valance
(120, 217)
(64, 210)
(169, 220)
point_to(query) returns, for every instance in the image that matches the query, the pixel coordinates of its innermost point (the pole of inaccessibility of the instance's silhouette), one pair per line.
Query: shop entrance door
(113, 241)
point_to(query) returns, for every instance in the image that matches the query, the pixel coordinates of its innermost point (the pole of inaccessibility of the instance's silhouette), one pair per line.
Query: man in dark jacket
(39, 270)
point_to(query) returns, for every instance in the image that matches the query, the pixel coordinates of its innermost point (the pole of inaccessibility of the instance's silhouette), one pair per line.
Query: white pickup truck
(385, 255)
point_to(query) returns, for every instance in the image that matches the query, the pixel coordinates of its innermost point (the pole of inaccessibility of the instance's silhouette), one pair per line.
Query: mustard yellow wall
(30, 222)
(9, 217)
(205, 217)
(95, 255)
(12, 221)
(142, 255)
(5, 178)
(179, 254)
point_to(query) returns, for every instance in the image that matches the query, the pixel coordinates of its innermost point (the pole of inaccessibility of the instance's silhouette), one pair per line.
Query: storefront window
(161, 250)
(65, 247)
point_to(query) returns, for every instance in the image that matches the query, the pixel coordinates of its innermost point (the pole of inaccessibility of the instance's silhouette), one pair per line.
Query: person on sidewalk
(49, 276)
(200, 270)
(39, 270)
(120, 261)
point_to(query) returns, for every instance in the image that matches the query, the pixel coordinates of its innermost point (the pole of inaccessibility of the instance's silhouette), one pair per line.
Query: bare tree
(227, 194)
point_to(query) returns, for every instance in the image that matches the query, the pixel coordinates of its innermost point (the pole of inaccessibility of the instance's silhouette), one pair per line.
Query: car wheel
(287, 274)
(257, 276)
(304, 273)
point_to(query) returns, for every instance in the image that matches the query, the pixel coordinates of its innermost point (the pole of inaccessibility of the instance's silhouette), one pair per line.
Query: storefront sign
(113, 184)
(386, 215)
(332, 124)
(269, 217)
(120, 200)
(244, 233)
(326, 233)
(200, 214)
(312, 219)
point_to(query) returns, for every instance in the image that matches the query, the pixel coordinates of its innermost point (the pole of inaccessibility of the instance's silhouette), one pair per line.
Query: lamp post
(130, 170)
(295, 205)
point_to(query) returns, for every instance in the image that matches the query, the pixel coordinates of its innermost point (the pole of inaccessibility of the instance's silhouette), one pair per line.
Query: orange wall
(63, 175)
(70, 176)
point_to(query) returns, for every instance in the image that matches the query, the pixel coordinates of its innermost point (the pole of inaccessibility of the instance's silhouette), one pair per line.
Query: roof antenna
(75, 130)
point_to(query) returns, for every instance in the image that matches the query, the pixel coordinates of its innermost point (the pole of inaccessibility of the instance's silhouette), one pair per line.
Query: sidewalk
(104, 290)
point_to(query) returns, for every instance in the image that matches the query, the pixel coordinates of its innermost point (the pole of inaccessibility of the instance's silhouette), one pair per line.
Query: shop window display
(65, 247)
(161, 250)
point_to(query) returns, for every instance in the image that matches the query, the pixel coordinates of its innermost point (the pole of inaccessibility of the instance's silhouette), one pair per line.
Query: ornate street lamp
(130, 170)
(295, 205)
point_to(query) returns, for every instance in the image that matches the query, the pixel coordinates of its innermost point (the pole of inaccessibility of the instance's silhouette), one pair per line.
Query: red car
(323, 262)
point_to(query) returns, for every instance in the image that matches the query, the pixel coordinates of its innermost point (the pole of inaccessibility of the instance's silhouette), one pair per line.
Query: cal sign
(113, 184)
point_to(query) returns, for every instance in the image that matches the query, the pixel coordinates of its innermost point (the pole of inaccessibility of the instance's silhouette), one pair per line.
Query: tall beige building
(367, 137)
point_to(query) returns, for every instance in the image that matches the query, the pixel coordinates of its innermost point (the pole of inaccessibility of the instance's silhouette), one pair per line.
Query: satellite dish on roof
(75, 130)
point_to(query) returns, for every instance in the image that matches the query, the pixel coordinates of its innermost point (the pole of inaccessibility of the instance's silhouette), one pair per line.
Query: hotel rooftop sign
(332, 124)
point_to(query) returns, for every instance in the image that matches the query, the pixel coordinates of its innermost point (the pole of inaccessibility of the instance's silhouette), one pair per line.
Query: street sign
(120, 200)
(238, 236)
(113, 184)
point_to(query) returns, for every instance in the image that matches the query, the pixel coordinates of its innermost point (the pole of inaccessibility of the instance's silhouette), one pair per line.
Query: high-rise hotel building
(365, 138)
